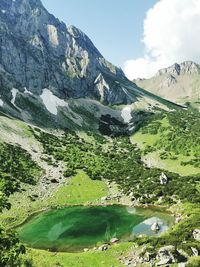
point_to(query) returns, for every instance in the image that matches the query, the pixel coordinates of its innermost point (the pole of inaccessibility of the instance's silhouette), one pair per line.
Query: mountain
(38, 51)
(52, 75)
(179, 83)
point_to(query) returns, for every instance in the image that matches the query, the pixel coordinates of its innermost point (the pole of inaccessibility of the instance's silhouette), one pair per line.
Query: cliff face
(38, 51)
(53, 76)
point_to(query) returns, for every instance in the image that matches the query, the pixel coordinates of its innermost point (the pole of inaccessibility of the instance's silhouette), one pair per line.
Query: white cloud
(171, 34)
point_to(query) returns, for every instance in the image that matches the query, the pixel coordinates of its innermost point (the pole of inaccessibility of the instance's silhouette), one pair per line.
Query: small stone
(178, 219)
(114, 240)
(103, 247)
(182, 264)
(127, 262)
(196, 234)
(195, 251)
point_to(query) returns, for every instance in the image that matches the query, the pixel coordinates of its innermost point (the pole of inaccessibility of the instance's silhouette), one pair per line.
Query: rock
(155, 227)
(86, 249)
(182, 264)
(54, 181)
(131, 194)
(163, 179)
(178, 219)
(105, 198)
(103, 247)
(196, 234)
(114, 240)
(166, 255)
(149, 256)
(187, 67)
(169, 254)
(127, 262)
(195, 251)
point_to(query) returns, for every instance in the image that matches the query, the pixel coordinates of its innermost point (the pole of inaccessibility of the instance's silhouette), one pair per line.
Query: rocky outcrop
(38, 51)
(169, 254)
(186, 67)
(169, 81)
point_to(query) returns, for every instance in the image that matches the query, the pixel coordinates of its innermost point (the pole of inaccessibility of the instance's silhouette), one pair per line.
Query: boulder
(166, 255)
(163, 179)
(196, 234)
(155, 227)
(114, 240)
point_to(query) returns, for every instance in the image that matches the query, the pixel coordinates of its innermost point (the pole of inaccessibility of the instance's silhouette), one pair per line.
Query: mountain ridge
(42, 59)
(178, 83)
(53, 55)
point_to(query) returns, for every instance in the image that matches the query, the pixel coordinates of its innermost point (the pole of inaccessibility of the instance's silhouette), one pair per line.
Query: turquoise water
(74, 228)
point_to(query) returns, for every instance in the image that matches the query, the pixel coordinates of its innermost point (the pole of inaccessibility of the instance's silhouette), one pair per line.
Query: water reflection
(145, 227)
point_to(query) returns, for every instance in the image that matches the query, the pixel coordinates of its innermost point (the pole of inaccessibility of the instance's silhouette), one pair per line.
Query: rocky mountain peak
(39, 51)
(186, 67)
(189, 67)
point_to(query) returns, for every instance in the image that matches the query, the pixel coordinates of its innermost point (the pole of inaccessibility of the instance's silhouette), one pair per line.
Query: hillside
(179, 83)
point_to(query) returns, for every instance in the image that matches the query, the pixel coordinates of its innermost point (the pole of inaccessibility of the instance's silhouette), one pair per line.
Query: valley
(92, 174)
(95, 170)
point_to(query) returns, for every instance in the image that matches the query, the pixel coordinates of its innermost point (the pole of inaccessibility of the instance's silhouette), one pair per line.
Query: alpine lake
(74, 228)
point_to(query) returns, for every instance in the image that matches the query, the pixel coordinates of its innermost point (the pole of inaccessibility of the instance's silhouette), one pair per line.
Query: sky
(140, 36)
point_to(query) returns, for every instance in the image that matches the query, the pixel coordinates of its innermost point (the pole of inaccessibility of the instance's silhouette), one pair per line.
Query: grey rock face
(38, 51)
(187, 67)
(170, 80)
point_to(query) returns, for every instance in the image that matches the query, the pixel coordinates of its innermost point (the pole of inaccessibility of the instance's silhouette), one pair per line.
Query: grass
(10, 125)
(78, 190)
(172, 165)
(109, 258)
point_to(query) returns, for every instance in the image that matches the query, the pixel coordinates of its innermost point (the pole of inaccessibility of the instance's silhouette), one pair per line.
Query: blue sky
(114, 26)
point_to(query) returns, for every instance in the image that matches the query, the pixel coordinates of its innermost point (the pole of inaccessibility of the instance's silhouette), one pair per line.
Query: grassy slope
(186, 89)
(107, 258)
(153, 158)
(78, 190)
